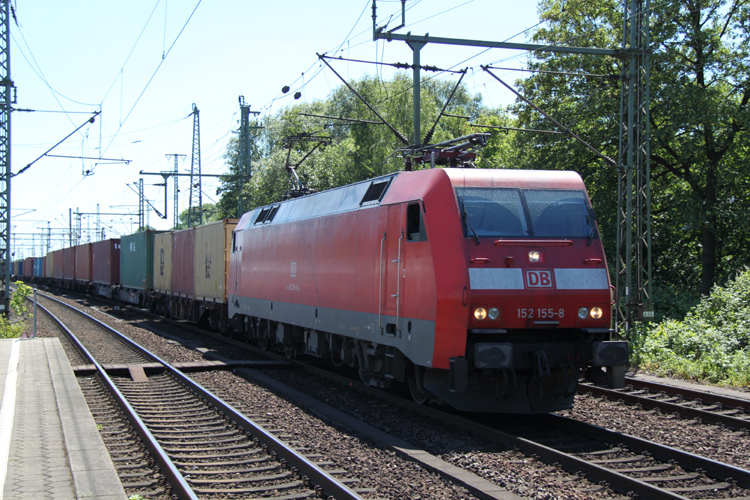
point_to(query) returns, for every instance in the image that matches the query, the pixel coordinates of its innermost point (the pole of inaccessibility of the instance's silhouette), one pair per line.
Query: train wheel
(416, 386)
(337, 351)
(263, 334)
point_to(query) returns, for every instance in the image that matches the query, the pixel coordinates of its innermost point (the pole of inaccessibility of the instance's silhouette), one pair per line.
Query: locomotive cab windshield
(526, 213)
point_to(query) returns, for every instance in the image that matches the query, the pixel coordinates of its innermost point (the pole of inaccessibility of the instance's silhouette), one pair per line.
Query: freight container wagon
(105, 266)
(38, 267)
(17, 269)
(183, 248)
(49, 265)
(28, 267)
(183, 277)
(58, 266)
(83, 266)
(163, 263)
(69, 266)
(213, 246)
(136, 266)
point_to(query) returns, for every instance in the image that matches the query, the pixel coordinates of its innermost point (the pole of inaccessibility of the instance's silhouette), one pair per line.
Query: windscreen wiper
(590, 222)
(467, 224)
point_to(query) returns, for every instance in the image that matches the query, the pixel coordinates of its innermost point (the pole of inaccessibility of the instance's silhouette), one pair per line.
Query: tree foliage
(700, 87)
(357, 151)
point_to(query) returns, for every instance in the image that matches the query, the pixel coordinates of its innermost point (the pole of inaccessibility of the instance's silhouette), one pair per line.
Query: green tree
(357, 151)
(700, 87)
(211, 213)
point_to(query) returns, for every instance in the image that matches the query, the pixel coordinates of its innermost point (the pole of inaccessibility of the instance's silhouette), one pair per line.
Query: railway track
(731, 412)
(625, 463)
(201, 445)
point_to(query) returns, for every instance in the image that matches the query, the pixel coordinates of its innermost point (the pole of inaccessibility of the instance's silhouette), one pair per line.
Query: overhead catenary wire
(158, 67)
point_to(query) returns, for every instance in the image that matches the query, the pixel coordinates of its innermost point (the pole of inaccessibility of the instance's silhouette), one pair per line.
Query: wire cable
(164, 57)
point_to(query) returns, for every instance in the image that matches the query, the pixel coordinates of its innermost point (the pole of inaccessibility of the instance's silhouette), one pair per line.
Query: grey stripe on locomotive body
(418, 345)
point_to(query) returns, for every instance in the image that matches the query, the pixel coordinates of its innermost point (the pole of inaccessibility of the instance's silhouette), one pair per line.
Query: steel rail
(330, 485)
(569, 462)
(174, 477)
(681, 409)
(713, 468)
(691, 393)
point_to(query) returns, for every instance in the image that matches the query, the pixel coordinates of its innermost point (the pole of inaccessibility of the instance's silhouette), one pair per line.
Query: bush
(711, 344)
(11, 330)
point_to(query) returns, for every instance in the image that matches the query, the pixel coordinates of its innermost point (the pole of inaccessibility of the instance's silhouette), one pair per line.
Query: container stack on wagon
(28, 267)
(183, 282)
(213, 246)
(181, 274)
(83, 267)
(163, 263)
(39, 265)
(137, 267)
(105, 267)
(49, 266)
(69, 266)
(57, 257)
(190, 270)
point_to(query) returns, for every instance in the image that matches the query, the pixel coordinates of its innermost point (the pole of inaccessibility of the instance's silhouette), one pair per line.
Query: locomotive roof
(399, 187)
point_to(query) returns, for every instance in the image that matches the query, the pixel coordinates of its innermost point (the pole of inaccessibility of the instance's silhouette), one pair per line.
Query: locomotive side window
(262, 215)
(375, 192)
(415, 230)
(272, 214)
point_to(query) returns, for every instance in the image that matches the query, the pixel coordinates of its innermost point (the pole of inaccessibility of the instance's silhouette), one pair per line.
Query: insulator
(285, 89)
(297, 95)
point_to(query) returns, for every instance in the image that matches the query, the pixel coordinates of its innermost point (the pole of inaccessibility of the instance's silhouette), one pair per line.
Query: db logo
(538, 278)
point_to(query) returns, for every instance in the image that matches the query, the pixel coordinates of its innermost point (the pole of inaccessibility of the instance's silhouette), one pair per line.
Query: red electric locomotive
(485, 289)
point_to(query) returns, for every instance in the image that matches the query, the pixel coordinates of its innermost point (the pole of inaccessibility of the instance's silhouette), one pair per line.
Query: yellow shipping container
(49, 271)
(213, 244)
(163, 262)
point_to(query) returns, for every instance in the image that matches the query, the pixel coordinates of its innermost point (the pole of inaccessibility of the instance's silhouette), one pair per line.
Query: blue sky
(144, 62)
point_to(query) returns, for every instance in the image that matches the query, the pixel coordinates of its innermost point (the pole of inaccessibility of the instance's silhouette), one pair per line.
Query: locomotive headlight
(480, 313)
(596, 312)
(583, 313)
(535, 256)
(493, 313)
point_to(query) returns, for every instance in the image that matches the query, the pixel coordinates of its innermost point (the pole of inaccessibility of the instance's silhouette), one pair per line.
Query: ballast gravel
(393, 477)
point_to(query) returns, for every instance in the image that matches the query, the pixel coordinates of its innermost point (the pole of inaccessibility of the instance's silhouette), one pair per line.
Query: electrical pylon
(6, 84)
(195, 210)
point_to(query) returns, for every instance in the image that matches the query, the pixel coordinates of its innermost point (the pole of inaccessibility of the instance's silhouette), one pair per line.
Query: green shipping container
(137, 260)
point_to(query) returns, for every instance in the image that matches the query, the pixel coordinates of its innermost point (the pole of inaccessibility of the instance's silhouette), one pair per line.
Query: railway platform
(50, 447)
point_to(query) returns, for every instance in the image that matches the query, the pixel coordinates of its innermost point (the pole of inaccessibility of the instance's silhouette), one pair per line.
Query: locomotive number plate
(541, 313)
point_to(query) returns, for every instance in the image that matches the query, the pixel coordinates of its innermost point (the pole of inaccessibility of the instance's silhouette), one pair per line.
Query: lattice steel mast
(195, 215)
(5, 172)
(633, 274)
(634, 190)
